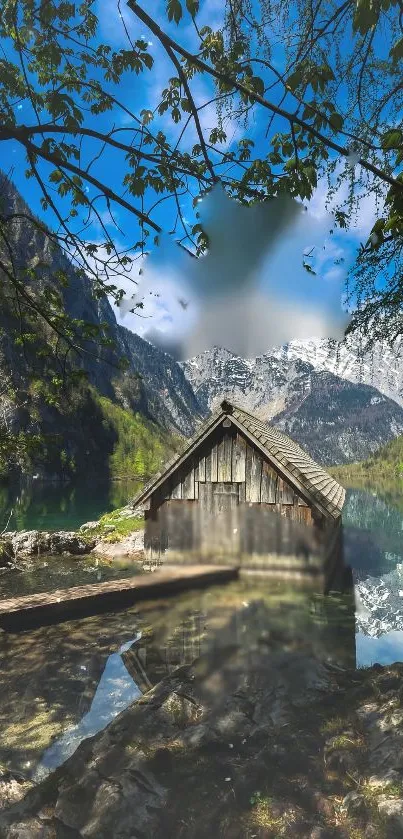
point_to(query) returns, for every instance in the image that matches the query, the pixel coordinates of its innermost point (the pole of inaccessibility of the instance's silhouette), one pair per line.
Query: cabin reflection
(274, 617)
(63, 682)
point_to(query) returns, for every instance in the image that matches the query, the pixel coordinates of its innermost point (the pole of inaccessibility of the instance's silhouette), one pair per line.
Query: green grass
(122, 527)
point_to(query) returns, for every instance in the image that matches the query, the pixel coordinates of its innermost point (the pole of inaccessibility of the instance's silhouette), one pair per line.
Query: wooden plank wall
(229, 457)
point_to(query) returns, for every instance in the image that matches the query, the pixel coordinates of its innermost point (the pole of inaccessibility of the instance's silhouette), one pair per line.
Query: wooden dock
(21, 613)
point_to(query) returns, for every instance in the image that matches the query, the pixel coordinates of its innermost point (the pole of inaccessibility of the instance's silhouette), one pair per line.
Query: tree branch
(256, 97)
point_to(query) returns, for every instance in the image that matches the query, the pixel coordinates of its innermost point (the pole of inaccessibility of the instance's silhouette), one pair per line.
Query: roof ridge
(315, 473)
(287, 455)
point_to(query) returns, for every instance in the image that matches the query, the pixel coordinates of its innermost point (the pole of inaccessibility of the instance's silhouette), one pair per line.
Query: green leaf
(287, 148)
(257, 84)
(174, 10)
(396, 51)
(336, 121)
(341, 218)
(185, 105)
(365, 16)
(217, 135)
(136, 184)
(56, 176)
(147, 59)
(392, 139)
(294, 80)
(192, 7)
(146, 116)
(308, 112)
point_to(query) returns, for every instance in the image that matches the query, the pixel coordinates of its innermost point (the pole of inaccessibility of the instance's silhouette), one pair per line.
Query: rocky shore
(266, 746)
(117, 534)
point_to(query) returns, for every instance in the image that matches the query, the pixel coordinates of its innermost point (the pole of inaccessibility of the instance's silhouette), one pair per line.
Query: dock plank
(20, 613)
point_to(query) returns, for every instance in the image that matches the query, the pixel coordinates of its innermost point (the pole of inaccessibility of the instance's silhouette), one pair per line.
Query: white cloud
(227, 299)
(160, 289)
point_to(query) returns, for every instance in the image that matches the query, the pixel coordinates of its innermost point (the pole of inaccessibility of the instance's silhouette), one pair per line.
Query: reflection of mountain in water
(373, 534)
(380, 603)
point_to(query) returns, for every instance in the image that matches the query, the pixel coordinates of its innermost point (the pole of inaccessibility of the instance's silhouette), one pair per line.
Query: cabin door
(219, 508)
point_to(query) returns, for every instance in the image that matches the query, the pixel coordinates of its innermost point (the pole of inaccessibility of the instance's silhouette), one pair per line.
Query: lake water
(54, 572)
(45, 506)
(374, 549)
(63, 683)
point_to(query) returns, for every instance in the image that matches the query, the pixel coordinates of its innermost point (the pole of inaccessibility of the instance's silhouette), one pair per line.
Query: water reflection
(63, 683)
(373, 531)
(373, 537)
(62, 572)
(116, 690)
(47, 506)
(386, 649)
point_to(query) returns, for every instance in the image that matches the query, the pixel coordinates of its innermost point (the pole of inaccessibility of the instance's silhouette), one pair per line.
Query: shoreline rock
(27, 544)
(96, 537)
(283, 745)
(132, 545)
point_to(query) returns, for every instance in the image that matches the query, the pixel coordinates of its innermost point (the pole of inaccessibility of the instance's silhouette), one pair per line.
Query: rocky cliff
(152, 384)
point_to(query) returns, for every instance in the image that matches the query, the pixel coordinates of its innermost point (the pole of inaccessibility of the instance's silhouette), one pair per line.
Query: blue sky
(165, 273)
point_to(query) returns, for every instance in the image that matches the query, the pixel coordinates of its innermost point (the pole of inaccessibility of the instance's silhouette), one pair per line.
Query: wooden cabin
(217, 497)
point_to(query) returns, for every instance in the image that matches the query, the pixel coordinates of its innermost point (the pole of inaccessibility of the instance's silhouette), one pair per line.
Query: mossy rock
(6, 553)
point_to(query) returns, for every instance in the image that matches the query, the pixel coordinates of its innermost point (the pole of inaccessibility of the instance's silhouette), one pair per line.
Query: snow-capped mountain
(257, 379)
(381, 368)
(338, 405)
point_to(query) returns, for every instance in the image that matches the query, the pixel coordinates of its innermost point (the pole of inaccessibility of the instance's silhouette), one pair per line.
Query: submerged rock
(237, 744)
(13, 787)
(392, 811)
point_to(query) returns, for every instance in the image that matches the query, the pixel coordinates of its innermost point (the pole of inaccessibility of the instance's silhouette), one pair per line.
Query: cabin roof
(297, 467)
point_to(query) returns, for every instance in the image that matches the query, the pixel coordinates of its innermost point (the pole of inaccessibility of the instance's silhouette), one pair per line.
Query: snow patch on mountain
(381, 368)
(336, 402)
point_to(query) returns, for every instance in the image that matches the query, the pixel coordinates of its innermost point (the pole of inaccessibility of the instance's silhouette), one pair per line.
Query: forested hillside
(115, 407)
(384, 467)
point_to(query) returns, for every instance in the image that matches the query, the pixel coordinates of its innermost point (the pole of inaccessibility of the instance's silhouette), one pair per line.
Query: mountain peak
(338, 404)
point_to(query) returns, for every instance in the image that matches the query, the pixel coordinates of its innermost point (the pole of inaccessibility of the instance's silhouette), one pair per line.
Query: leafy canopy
(315, 90)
